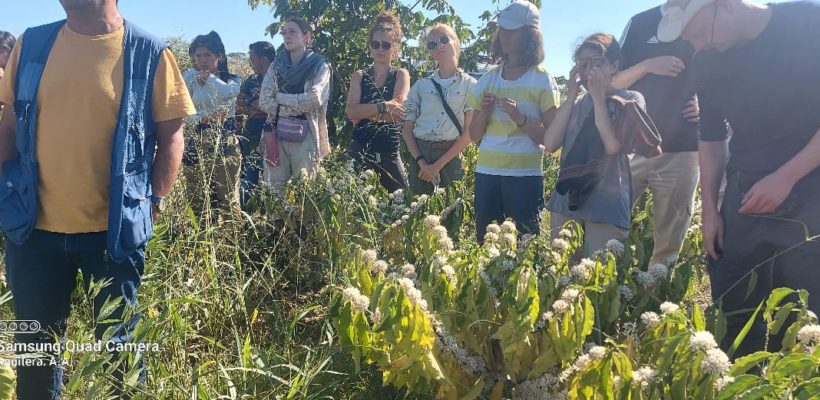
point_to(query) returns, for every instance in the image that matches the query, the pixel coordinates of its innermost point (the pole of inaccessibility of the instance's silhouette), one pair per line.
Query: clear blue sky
(563, 22)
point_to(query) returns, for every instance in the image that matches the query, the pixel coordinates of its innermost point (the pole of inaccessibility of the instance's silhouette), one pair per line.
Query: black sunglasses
(442, 40)
(384, 45)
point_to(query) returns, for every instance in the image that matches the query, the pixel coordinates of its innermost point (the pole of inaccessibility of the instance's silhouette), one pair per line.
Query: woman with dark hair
(261, 54)
(212, 155)
(375, 105)
(7, 41)
(295, 95)
(594, 182)
(514, 102)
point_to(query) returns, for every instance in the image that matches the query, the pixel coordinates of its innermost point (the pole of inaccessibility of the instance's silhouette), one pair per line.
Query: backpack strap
(447, 108)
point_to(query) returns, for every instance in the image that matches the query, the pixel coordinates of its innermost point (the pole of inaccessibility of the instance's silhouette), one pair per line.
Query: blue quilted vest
(132, 152)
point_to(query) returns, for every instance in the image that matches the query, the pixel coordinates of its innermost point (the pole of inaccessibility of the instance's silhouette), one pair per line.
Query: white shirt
(425, 109)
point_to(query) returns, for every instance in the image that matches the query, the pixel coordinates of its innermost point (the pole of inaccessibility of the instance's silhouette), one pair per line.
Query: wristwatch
(158, 201)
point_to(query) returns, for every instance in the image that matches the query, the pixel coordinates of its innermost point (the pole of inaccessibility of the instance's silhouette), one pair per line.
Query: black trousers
(389, 167)
(776, 246)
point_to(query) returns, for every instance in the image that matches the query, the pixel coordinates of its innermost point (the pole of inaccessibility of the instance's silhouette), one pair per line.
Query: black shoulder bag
(447, 108)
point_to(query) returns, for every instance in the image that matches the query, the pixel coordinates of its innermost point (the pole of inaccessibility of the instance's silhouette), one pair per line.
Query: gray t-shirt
(611, 199)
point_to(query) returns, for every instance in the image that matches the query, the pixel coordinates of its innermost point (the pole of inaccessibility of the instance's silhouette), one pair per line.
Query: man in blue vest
(94, 149)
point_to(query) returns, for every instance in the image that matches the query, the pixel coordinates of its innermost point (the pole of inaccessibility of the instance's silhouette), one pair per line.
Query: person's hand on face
(598, 82)
(574, 83)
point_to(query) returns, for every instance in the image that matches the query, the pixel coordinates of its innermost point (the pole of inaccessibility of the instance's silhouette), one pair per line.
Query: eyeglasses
(591, 62)
(384, 45)
(433, 44)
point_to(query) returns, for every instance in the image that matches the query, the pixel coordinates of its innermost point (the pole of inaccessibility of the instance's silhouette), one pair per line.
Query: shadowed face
(293, 36)
(206, 60)
(710, 28)
(511, 40)
(83, 5)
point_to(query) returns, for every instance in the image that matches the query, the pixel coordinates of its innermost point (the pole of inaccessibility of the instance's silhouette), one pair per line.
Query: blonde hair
(449, 31)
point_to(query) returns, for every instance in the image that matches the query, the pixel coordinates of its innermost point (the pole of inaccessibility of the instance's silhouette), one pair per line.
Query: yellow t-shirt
(78, 102)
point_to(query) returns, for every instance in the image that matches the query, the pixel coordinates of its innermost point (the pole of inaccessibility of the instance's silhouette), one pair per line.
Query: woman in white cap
(514, 102)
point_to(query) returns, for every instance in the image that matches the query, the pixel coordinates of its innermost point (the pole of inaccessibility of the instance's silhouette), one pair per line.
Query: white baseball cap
(678, 15)
(518, 14)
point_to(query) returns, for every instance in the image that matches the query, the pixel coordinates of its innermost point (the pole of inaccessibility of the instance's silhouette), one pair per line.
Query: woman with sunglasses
(513, 103)
(295, 94)
(435, 135)
(375, 105)
(601, 202)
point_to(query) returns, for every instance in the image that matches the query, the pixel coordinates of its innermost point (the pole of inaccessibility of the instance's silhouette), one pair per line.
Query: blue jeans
(42, 275)
(500, 197)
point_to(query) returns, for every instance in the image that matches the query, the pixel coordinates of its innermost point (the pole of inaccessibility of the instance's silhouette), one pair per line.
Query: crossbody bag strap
(447, 108)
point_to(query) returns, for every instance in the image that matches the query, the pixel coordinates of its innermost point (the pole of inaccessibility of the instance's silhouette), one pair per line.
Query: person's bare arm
(669, 66)
(481, 117)
(712, 158)
(768, 193)
(170, 145)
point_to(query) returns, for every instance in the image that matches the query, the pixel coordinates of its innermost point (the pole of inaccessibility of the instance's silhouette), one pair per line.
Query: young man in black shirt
(658, 70)
(757, 67)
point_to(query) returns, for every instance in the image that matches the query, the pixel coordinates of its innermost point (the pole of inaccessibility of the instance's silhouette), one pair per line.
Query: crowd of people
(725, 92)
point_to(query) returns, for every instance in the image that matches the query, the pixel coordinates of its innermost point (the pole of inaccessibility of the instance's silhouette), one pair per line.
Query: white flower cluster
(597, 352)
(536, 389)
(626, 292)
(432, 220)
(721, 382)
(650, 319)
(408, 271)
(644, 376)
(716, 362)
(649, 279)
(560, 306)
(376, 317)
(669, 307)
(379, 267)
(583, 270)
(543, 321)
(565, 233)
(615, 246)
(702, 341)
(809, 335)
(659, 271)
(569, 295)
(471, 363)
(443, 239)
(508, 227)
(413, 294)
(440, 264)
(645, 279)
(358, 301)
(369, 256)
(560, 244)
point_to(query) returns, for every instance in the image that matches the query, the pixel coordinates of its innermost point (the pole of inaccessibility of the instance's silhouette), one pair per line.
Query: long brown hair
(533, 50)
